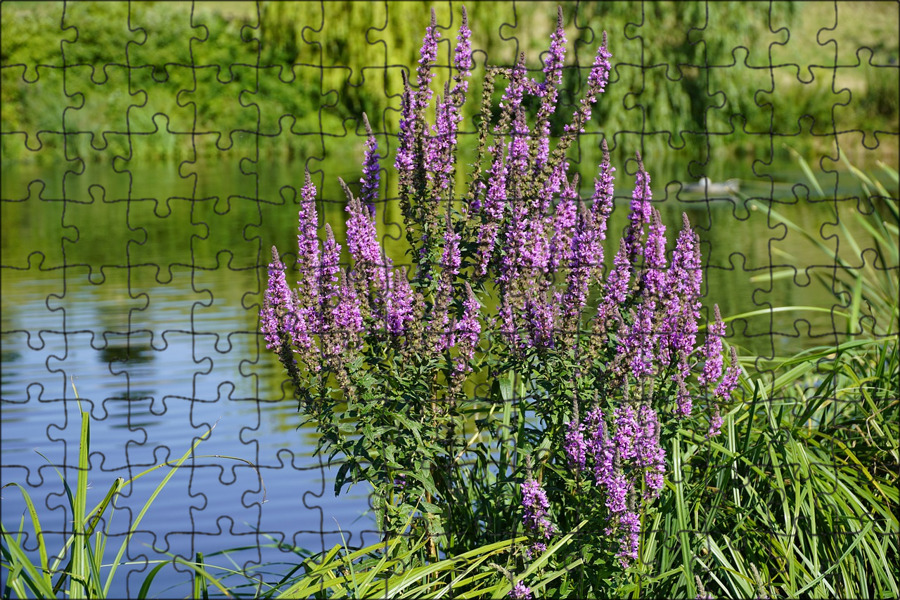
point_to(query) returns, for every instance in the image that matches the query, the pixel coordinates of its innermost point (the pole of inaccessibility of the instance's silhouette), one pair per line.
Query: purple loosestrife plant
(520, 592)
(371, 178)
(436, 382)
(535, 505)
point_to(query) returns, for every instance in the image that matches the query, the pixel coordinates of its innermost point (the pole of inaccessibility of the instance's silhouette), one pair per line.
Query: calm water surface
(149, 301)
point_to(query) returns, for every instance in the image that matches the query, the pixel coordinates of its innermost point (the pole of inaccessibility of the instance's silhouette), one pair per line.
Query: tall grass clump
(80, 569)
(503, 384)
(798, 497)
(868, 290)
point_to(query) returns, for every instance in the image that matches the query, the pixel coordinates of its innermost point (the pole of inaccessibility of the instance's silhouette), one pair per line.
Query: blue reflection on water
(155, 378)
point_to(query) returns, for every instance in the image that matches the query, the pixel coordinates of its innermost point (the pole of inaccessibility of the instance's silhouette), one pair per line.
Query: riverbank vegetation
(278, 80)
(533, 419)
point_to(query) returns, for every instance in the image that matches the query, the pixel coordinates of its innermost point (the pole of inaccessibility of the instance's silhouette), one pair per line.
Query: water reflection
(126, 353)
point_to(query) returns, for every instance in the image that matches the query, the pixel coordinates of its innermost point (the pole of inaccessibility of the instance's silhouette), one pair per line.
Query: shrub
(506, 382)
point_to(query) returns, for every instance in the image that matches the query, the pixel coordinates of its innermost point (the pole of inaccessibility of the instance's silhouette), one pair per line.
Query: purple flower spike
(650, 454)
(518, 252)
(576, 446)
(362, 236)
(654, 277)
(406, 151)
(626, 432)
(587, 258)
(427, 56)
(596, 84)
(604, 190)
(467, 330)
(601, 449)
(535, 503)
(629, 543)
(553, 69)
(329, 272)
(599, 76)
(535, 248)
(640, 211)
(512, 102)
(346, 316)
(712, 351)
(729, 382)
(370, 180)
(307, 239)
(564, 223)
(540, 314)
(715, 424)
(619, 278)
(553, 65)
(439, 154)
(617, 489)
(520, 592)
(306, 321)
(637, 345)
(450, 260)
(494, 209)
(399, 303)
(682, 304)
(684, 404)
(278, 306)
(462, 60)
(686, 271)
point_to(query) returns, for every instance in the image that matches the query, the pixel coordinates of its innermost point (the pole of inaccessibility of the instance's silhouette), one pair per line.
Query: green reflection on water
(129, 233)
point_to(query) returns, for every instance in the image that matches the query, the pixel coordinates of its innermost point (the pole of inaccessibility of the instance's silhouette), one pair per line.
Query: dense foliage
(572, 402)
(523, 432)
(251, 77)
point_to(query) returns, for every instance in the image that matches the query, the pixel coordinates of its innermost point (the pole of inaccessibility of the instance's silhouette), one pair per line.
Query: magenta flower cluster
(333, 305)
(523, 234)
(621, 455)
(326, 320)
(520, 591)
(535, 505)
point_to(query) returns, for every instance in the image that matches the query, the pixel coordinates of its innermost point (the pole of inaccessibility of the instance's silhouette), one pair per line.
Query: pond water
(144, 287)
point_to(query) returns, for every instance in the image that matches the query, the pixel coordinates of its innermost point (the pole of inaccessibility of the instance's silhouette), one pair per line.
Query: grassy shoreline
(798, 497)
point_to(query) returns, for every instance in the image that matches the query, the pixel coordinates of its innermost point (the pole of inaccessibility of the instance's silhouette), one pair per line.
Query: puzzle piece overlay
(146, 183)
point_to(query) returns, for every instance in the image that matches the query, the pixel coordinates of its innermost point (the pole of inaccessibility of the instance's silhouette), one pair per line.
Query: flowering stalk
(597, 81)
(535, 503)
(396, 353)
(549, 93)
(362, 244)
(368, 192)
(277, 308)
(307, 257)
(712, 351)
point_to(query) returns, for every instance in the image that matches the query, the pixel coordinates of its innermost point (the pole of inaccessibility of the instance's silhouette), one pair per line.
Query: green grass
(78, 569)
(803, 487)
(798, 497)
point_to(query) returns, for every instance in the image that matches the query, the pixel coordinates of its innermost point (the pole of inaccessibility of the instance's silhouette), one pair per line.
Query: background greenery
(282, 78)
(799, 496)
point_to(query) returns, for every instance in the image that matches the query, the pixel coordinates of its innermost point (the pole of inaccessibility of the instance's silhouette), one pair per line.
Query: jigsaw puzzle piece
(33, 83)
(161, 67)
(99, 234)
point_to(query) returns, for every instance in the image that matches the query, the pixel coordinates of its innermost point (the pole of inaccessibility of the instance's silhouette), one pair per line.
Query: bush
(487, 394)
